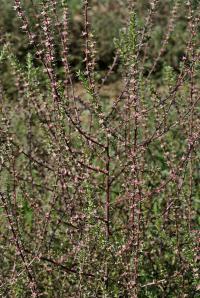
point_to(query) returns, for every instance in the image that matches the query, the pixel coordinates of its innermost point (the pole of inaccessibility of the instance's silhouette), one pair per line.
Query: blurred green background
(107, 18)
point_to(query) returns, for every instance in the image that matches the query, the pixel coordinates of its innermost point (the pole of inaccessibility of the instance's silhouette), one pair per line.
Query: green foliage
(127, 42)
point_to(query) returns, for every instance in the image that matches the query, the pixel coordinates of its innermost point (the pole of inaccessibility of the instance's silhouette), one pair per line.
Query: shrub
(100, 192)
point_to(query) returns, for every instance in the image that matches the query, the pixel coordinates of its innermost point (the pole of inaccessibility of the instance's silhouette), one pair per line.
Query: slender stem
(107, 208)
(107, 205)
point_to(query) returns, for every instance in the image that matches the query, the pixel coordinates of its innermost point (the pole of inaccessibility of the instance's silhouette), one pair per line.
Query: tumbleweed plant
(99, 166)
